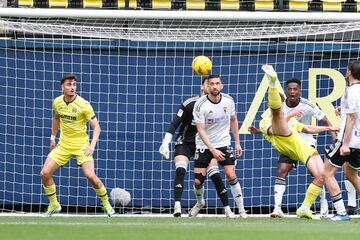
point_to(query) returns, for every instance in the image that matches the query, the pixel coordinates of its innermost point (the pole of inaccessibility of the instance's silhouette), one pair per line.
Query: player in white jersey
(214, 115)
(305, 112)
(346, 150)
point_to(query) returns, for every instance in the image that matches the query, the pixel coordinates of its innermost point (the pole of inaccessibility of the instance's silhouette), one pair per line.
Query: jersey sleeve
(88, 111)
(177, 120)
(198, 114)
(232, 109)
(56, 113)
(317, 113)
(353, 100)
(265, 125)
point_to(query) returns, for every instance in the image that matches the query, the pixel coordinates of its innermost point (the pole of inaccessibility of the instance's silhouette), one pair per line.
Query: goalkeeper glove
(164, 148)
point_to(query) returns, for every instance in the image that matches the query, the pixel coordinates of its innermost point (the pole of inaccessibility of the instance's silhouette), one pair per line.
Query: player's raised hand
(253, 130)
(296, 113)
(164, 150)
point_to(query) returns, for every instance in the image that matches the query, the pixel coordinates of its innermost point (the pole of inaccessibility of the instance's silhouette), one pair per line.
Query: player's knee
(181, 168)
(44, 174)
(90, 175)
(283, 171)
(230, 175)
(199, 180)
(319, 180)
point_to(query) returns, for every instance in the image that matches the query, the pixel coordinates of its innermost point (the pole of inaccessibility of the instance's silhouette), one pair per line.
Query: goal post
(135, 69)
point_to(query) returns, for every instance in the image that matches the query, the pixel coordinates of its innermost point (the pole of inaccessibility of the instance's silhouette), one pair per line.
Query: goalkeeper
(282, 133)
(184, 145)
(71, 113)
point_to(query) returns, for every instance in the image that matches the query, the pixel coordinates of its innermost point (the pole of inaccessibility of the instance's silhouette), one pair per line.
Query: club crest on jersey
(225, 109)
(74, 110)
(357, 133)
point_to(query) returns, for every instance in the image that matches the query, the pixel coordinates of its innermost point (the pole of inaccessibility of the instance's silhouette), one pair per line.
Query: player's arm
(295, 113)
(94, 123)
(204, 137)
(175, 123)
(54, 130)
(254, 130)
(235, 130)
(350, 122)
(325, 122)
(318, 129)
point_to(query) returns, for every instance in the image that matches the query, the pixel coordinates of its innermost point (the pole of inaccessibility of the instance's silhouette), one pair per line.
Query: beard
(215, 93)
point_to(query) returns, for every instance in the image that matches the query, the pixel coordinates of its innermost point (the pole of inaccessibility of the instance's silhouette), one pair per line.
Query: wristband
(52, 138)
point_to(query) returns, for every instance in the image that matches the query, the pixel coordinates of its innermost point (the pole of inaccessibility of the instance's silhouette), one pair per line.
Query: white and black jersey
(350, 103)
(184, 117)
(216, 117)
(310, 110)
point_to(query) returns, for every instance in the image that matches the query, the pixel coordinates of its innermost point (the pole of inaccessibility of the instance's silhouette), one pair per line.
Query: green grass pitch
(166, 228)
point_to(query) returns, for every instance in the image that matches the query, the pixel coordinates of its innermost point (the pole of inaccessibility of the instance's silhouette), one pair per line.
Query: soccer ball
(202, 65)
(120, 197)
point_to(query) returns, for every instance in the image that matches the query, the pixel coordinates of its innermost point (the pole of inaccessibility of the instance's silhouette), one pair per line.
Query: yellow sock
(51, 194)
(311, 195)
(101, 192)
(274, 98)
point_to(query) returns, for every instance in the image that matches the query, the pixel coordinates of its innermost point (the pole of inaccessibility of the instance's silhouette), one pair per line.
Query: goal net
(135, 70)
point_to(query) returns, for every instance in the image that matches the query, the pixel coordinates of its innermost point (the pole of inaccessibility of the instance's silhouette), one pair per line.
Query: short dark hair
(205, 78)
(213, 76)
(293, 80)
(354, 67)
(68, 76)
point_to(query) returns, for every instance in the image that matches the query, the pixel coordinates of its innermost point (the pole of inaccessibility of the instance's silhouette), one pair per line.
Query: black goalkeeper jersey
(184, 117)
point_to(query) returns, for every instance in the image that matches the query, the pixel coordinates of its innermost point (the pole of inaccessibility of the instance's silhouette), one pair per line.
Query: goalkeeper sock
(220, 188)
(199, 193)
(51, 194)
(274, 98)
(101, 192)
(179, 179)
(311, 195)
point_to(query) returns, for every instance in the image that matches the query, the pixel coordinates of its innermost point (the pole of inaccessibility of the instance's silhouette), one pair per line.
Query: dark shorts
(185, 148)
(286, 159)
(203, 157)
(333, 154)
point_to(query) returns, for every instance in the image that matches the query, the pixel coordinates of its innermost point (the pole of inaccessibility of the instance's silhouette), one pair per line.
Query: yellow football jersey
(73, 119)
(293, 146)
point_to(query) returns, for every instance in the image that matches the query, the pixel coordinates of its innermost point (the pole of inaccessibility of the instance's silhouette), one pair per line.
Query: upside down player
(71, 113)
(282, 133)
(306, 110)
(184, 147)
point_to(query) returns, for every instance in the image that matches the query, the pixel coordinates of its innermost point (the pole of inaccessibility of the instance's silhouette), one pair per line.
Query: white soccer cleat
(324, 208)
(270, 72)
(243, 214)
(177, 211)
(229, 213)
(196, 209)
(277, 213)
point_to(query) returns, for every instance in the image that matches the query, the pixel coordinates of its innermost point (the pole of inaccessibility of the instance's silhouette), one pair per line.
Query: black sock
(179, 183)
(220, 188)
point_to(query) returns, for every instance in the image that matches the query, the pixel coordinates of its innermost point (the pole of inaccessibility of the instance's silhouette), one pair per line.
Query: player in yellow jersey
(282, 133)
(71, 114)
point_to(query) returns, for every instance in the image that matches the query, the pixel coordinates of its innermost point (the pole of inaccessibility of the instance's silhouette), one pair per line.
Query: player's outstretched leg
(312, 193)
(101, 192)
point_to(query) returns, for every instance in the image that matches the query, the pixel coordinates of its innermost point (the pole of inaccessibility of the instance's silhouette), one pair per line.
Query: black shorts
(286, 159)
(203, 157)
(333, 154)
(185, 148)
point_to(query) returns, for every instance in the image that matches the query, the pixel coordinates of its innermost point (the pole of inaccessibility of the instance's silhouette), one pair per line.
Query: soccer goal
(135, 69)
